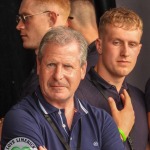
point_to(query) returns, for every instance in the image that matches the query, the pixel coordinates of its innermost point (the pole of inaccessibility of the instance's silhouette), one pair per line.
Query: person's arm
(20, 123)
(124, 118)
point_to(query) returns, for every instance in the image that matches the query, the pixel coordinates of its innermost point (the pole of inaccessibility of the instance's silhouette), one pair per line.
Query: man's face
(35, 27)
(119, 49)
(60, 72)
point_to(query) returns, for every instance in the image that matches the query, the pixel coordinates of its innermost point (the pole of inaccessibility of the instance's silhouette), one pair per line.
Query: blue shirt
(90, 92)
(98, 130)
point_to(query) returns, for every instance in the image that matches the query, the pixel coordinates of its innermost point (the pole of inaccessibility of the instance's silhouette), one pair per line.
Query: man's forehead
(35, 6)
(31, 5)
(27, 5)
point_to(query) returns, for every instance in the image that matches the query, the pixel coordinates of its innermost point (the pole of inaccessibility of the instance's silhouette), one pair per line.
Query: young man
(120, 32)
(52, 116)
(35, 18)
(83, 19)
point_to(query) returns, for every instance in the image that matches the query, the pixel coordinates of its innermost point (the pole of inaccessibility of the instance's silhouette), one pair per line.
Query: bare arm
(124, 118)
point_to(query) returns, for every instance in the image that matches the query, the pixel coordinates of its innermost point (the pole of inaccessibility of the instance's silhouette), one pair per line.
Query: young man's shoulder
(95, 111)
(135, 90)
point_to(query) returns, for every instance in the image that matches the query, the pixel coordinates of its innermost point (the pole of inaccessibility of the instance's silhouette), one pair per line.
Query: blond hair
(84, 12)
(63, 5)
(122, 18)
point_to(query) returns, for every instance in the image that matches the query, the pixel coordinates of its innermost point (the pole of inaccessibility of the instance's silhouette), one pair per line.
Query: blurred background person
(83, 19)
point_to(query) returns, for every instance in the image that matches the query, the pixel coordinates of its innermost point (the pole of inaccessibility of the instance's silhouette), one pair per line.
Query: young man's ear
(98, 43)
(68, 22)
(139, 49)
(53, 18)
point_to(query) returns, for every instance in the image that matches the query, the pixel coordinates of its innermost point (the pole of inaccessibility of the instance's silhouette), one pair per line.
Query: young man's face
(34, 28)
(119, 50)
(60, 72)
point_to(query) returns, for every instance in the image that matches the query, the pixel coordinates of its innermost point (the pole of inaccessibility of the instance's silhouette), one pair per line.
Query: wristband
(122, 135)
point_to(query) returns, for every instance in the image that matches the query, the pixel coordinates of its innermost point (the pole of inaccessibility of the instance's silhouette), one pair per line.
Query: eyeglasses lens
(20, 17)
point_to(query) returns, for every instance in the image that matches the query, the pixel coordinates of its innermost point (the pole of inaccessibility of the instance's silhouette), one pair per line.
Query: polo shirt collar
(91, 47)
(48, 108)
(93, 75)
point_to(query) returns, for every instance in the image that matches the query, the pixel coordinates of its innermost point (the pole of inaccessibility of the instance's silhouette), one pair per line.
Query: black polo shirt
(89, 91)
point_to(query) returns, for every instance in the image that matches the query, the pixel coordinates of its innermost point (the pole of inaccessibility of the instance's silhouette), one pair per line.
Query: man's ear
(53, 18)
(98, 43)
(139, 49)
(38, 65)
(68, 23)
(83, 70)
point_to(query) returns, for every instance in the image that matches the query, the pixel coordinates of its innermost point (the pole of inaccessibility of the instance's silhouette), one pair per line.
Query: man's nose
(20, 25)
(58, 75)
(125, 50)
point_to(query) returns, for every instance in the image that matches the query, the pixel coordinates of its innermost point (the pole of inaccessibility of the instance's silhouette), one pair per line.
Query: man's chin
(27, 46)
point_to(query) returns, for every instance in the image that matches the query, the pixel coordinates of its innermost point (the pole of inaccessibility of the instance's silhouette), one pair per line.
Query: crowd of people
(77, 96)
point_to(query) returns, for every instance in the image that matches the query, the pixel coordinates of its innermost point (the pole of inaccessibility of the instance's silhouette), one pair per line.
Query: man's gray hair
(62, 36)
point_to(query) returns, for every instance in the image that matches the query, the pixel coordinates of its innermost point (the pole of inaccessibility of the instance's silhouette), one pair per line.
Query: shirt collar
(48, 108)
(93, 75)
(91, 47)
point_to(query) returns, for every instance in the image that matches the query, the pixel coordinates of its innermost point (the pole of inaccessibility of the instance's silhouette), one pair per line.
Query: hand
(1, 125)
(42, 148)
(124, 118)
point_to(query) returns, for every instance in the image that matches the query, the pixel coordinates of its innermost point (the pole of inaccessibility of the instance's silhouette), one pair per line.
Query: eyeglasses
(24, 18)
(70, 17)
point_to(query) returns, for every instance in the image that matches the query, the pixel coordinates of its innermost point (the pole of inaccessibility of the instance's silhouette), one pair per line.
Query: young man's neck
(117, 82)
(91, 35)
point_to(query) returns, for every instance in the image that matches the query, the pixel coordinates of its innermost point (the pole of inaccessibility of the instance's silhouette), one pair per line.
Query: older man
(52, 116)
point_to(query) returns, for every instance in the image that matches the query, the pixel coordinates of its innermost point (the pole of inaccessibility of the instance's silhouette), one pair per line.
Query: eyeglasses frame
(23, 17)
